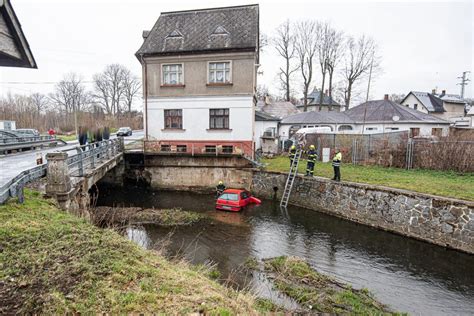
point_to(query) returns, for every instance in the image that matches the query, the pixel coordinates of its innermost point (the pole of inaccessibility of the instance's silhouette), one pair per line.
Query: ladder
(291, 178)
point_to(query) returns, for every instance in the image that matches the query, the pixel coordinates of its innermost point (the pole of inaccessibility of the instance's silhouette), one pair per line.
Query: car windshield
(229, 197)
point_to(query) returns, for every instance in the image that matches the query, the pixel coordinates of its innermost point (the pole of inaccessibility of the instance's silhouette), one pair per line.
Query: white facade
(261, 127)
(413, 103)
(195, 118)
(425, 129)
(8, 125)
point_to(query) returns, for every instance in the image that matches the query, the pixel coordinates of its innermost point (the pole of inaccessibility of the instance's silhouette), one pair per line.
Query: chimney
(443, 92)
(145, 34)
(433, 91)
(385, 97)
(266, 99)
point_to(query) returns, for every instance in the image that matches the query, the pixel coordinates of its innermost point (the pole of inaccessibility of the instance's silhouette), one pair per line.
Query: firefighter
(312, 156)
(292, 154)
(220, 188)
(336, 163)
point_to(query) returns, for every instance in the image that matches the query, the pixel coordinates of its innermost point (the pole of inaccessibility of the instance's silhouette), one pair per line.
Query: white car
(124, 131)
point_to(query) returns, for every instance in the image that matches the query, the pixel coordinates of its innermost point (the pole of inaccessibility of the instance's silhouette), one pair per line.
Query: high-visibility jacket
(336, 160)
(292, 153)
(312, 156)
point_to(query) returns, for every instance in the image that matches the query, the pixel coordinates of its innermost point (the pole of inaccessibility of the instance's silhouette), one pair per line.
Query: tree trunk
(321, 95)
(348, 96)
(330, 90)
(287, 80)
(305, 98)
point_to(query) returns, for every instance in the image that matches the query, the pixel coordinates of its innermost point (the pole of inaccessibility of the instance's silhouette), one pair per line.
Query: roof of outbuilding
(316, 117)
(430, 101)
(314, 99)
(280, 109)
(389, 111)
(227, 28)
(262, 116)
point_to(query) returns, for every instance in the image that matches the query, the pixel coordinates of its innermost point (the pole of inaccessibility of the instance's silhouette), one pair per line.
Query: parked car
(27, 132)
(235, 200)
(124, 131)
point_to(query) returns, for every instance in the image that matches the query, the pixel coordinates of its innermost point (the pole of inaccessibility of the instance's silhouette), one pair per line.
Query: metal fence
(23, 142)
(80, 159)
(397, 149)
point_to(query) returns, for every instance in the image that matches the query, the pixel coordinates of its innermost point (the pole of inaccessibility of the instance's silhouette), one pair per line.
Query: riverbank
(55, 263)
(442, 183)
(317, 292)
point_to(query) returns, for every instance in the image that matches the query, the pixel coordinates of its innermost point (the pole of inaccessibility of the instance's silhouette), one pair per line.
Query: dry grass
(54, 263)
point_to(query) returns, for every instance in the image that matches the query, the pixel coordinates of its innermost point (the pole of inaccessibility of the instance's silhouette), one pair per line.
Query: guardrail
(14, 143)
(82, 158)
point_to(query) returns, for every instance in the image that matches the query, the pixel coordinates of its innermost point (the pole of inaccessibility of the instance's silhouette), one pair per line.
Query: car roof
(234, 191)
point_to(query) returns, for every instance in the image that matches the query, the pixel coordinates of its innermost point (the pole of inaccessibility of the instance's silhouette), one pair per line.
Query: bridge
(70, 173)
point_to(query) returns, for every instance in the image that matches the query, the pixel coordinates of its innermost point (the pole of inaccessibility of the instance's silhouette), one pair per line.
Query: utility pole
(464, 82)
(370, 77)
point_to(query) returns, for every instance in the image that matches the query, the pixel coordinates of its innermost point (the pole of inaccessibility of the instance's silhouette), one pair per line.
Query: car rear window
(229, 197)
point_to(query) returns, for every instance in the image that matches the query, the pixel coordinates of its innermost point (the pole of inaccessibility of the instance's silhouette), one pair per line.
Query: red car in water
(235, 199)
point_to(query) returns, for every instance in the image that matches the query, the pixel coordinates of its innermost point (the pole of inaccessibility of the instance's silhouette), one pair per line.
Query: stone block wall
(442, 221)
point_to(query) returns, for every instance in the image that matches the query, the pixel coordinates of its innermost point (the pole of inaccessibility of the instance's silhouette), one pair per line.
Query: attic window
(220, 30)
(175, 34)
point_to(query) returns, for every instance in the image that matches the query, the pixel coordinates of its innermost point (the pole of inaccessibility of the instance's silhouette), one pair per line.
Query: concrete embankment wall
(442, 221)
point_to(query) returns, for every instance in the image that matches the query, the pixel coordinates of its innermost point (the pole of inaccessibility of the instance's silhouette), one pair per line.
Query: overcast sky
(423, 44)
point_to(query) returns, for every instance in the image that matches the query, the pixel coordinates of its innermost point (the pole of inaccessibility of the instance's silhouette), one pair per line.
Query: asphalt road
(12, 164)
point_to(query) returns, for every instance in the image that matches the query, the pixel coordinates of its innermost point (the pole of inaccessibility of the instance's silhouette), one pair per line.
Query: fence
(79, 159)
(399, 150)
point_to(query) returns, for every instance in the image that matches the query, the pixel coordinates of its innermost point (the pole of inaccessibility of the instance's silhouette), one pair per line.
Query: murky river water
(408, 275)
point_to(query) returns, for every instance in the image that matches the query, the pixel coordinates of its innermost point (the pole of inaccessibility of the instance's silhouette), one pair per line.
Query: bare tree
(284, 43)
(40, 102)
(109, 87)
(336, 52)
(324, 44)
(396, 97)
(131, 88)
(306, 46)
(359, 58)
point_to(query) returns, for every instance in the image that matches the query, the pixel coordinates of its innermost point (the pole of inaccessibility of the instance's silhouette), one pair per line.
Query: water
(408, 275)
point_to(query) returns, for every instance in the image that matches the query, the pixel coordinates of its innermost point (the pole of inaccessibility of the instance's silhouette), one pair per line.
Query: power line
(463, 83)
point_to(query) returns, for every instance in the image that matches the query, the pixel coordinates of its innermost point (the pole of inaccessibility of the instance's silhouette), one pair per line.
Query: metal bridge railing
(79, 159)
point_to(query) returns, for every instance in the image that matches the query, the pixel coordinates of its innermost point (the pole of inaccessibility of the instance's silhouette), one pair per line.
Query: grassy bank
(66, 138)
(444, 183)
(108, 216)
(54, 263)
(320, 293)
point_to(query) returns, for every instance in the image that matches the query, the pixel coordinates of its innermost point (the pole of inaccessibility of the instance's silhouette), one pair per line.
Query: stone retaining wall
(442, 221)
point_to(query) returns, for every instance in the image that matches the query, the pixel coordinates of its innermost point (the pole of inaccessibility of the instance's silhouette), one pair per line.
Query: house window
(345, 128)
(414, 131)
(181, 148)
(393, 128)
(219, 118)
(371, 128)
(219, 72)
(415, 106)
(437, 132)
(174, 119)
(210, 149)
(227, 149)
(165, 147)
(172, 74)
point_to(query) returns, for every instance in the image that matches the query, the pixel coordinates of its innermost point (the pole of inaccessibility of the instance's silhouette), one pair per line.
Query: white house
(7, 125)
(199, 75)
(266, 132)
(449, 107)
(379, 116)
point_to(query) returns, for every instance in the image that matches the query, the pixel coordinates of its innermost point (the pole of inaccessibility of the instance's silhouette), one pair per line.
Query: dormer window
(220, 72)
(172, 74)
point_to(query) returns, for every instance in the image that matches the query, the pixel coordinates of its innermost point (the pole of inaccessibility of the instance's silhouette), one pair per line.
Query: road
(11, 165)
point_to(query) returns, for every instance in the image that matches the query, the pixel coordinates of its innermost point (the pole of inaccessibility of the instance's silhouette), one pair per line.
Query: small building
(14, 48)
(449, 107)
(8, 125)
(383, 116)
(372, 117)
(266, 132)
(313, 102)
(199, 78)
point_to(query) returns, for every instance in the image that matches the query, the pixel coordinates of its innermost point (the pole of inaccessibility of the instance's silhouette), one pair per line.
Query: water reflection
(408, 275)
